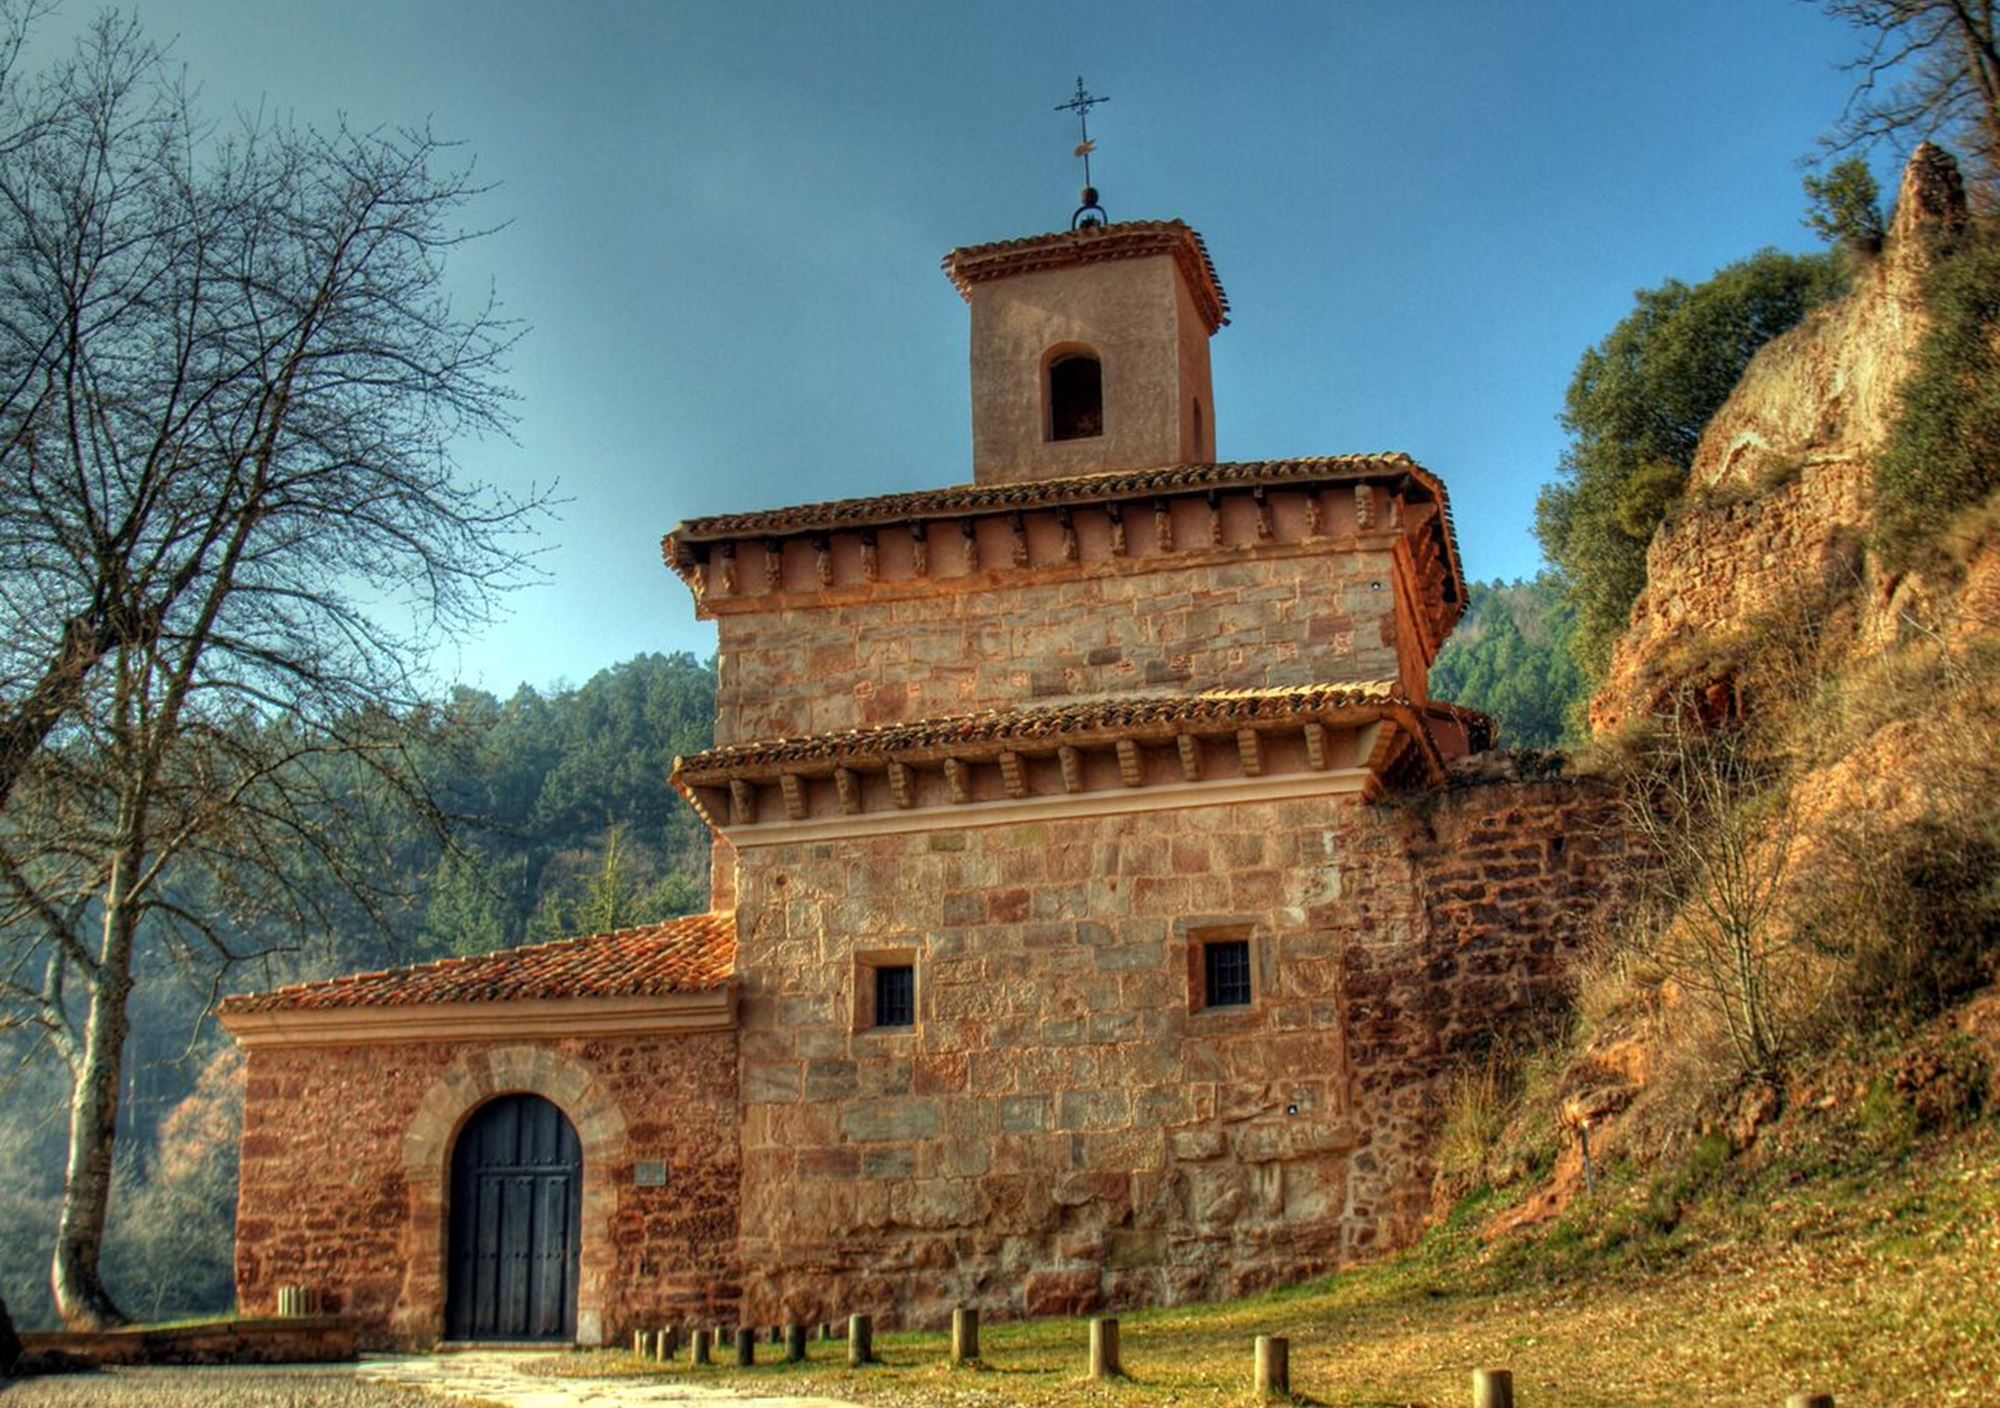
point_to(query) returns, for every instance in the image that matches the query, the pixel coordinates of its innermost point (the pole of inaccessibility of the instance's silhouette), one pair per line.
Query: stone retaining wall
(318, 1339)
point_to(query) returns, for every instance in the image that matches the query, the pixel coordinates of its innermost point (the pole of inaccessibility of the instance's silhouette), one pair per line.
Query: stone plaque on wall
(650, 1173)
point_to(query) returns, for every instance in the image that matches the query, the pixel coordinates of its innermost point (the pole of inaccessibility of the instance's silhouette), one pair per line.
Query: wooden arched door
(516, 1224)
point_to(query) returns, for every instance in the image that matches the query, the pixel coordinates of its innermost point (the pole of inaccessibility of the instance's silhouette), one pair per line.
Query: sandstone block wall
(1321, 617)
(1715, 568)
(1064, 1129)
(346, 1166)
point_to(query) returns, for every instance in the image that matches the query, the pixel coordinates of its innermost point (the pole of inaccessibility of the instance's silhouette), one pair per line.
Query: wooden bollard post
(860, 1341)
(639, 1338)
(1104, 1348)
(1492, 1388)
(746, 1346)
(795, 1344)
(1810, 1400)
(964, 1336)
(825, 1332)
(777, 1334)
(698, 1347)
(1274, 1365)
(670, 1343)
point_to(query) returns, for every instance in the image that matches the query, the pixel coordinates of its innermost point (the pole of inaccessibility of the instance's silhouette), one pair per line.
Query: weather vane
(1090, 214)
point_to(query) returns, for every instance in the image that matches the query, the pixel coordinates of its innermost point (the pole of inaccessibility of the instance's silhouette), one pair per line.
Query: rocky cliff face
(1780, 495)
(1872, 705)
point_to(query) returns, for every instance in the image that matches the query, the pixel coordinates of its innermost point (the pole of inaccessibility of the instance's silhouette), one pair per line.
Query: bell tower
(1090, 350)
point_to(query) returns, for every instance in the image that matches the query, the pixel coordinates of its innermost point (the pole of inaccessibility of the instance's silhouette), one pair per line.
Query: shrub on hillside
(1846, 206)
(1902, 889)
(1942, 459)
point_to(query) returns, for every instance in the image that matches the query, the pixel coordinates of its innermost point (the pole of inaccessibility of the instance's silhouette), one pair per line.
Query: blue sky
(723, 223)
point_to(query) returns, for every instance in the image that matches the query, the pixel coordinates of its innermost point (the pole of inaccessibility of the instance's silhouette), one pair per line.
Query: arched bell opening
(1074, 382)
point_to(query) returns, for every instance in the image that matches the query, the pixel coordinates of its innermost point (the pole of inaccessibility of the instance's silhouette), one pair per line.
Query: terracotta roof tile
(1232, 708)
(962, 499)
(695, 954)
(1128, 239)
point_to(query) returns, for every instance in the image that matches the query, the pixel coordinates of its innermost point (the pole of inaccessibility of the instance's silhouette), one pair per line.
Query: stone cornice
(996, 536)
(671, 1014)
(1130, 753)
(1131, 239)
(1167, 797)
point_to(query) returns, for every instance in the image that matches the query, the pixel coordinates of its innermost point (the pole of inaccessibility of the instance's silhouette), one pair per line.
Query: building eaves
(992, 730)
(1131, 239)
(966, 500)
(1090, 757)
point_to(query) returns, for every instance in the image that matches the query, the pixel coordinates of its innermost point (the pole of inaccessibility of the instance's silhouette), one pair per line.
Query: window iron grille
(896, 996)
(1226, 968)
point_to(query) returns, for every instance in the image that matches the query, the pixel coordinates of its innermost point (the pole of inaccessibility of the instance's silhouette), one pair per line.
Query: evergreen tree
(468, 911)
(1635, 411)
(1511, 659)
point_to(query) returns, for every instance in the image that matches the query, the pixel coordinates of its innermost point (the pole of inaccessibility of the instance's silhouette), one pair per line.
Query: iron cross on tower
(1090, 214)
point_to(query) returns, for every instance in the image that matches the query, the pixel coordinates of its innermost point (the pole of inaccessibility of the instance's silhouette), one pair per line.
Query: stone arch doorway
(515, 1241)
(463, 1089)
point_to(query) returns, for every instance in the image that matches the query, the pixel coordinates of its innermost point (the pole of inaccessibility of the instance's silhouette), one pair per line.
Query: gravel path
(333, 1386)
(508, 1377)
(416, 1381)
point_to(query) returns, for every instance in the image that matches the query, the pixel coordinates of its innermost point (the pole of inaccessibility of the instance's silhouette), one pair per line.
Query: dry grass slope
(1847, 1261)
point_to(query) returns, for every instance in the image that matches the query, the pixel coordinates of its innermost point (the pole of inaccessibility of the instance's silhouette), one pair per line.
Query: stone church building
(1097, 893)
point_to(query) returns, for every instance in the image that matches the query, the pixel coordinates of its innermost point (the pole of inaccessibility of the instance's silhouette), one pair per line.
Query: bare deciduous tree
(1929, 70)
(231, 378)
(1717, 836)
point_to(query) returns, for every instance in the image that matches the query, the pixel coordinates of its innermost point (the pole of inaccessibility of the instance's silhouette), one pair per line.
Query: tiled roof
(695, 954)
(1129, 239)
(963, 499)
(1056, 723)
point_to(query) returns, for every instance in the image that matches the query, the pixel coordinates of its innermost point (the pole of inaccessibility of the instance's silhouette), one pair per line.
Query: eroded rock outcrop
(1780, 495)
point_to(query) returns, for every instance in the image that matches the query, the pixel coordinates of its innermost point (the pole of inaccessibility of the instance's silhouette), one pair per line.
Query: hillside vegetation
(1798, 1029)
(1635, 411)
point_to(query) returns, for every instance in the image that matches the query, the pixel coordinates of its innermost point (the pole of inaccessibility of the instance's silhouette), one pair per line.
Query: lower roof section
(666, 977)
(1124, 753)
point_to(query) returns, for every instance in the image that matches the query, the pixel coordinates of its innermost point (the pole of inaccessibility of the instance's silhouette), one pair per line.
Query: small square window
(885, 990)
(896, 995)
(1226, 973)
